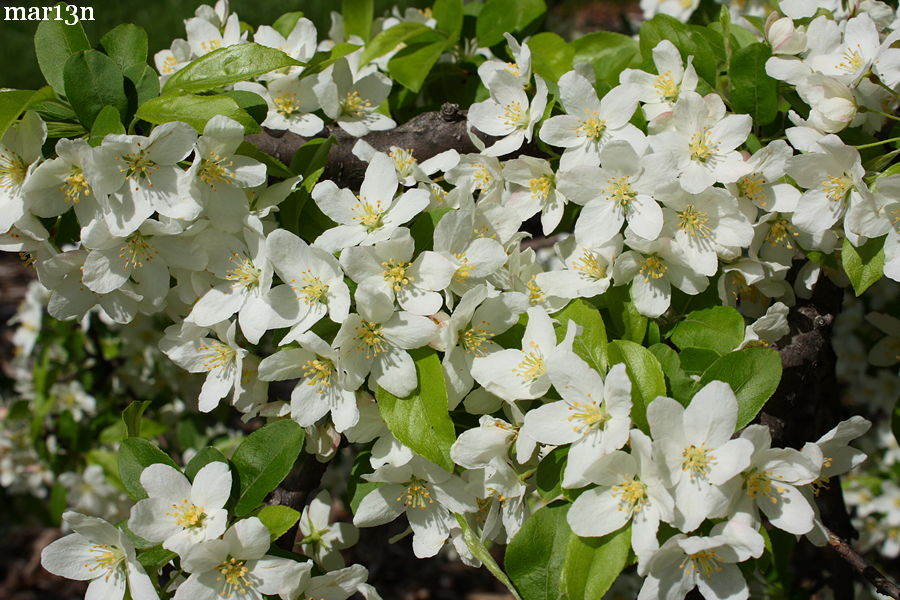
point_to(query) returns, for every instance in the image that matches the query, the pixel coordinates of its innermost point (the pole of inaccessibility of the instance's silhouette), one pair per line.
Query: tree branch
(860, 565)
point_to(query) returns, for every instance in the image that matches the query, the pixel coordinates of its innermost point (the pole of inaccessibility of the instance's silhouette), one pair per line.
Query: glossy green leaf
(323, 60)
(608, 53)
(720, 328)
(506, 16)
(549, 475)
(225, 66)
(646, 374)
(263, 460)
(275, 167)
(625, 320)
(201, 459)
(478, 549)
(358, 16)
(14, 102)
(411, 65)
(285, 23)
(155, 558)
(663, 27)
(389, 39)
(551, 56)
(864, 265)
(93, 81)
(250, 102)
(680, 385)
(145, 81)
(535, 556)
(753, 374)
(131, 416)
(194, 110)
(695, 361)
(449, 17)
(422, 421)
(54, 43)
(752, 90)
(136, 454)
(278, 519)
(590, 343)
(126, 44)
(593, 564)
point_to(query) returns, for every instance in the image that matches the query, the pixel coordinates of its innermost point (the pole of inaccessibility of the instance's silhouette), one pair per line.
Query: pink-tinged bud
(783, 36)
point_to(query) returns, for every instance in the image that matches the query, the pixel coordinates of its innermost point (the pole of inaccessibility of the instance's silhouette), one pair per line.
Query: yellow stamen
(751, 187)
(75, 186)
(136, 251)
(244, 273)
(696, 461)
(702, 147)
(372, 337)
(369, 215)
(666, 87)
(619, 190)
(355, 105)
(532, 366)
(318, 373)
(416, 495)
(693, 222)
(187, 514)
(12, 170)
(632, 495)
(836, 187)
(215, 169)
(219, 355)
(395, 273)
(591, 127)
(590, 266)
(653, 267)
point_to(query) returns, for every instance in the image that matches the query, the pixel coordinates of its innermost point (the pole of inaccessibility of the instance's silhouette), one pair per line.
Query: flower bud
(783, 36)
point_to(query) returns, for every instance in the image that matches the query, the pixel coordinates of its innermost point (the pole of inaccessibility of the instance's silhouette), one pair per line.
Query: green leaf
(278, 519)
(422, 421)
(285, 23)
(864, 265)
(357, 487)
(753, 374)
(752, 90)
(14, 102)
(131, 416)
(411, 65)
(608, 53)
(625, 320)
(107, 122)
(478, 549)
(535, 556)
(551, 56)
(389, 39)
(54, 43)
(155, 558)
(681, 386)
(549, 474)
(225, 66)
(323, 60)
(646, 374)
(201, 459)
(57, 503)
(695, 361)
(591, 343)
(126, 44)
(275, 167)
(145, 81)
(593, 564)
(358, 16)
(663, 27)
(263, 460)
(194, 110)
(253, 104)
(506, 16)
(720, 328)
(94, 80)
(449, 17)
(136, 454)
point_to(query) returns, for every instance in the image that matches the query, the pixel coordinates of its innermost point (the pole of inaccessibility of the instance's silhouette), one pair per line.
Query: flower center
(702, 147)
(219, 355)
(695, 460)
(465, 267)
(590, 266)
(706, 562)
(287, 104)
(318, 373)
(540, 187)
(592, 127)
(12, 170)
(137, 165)
(187, 514)
(482, 177)
(693, 222)
(751, 187)
(532, 366)
(369, 215)
(587, 416)
(852, 60)
(666, 87)
(653, 267)
(473, 340)
(404, 160)
(619, 190)
(106, 558)
(535, 293)
(372, 337)
(314, 289)
(135, 251)
(632, 494)
(75, 186)
(210, 45)
(416, 495)
(244, 273)
(355, 105)
(513, 115)
(836, 187)
(759, 483)
(234, 573)
(215, 169)
(781, 233)
(395, 273)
